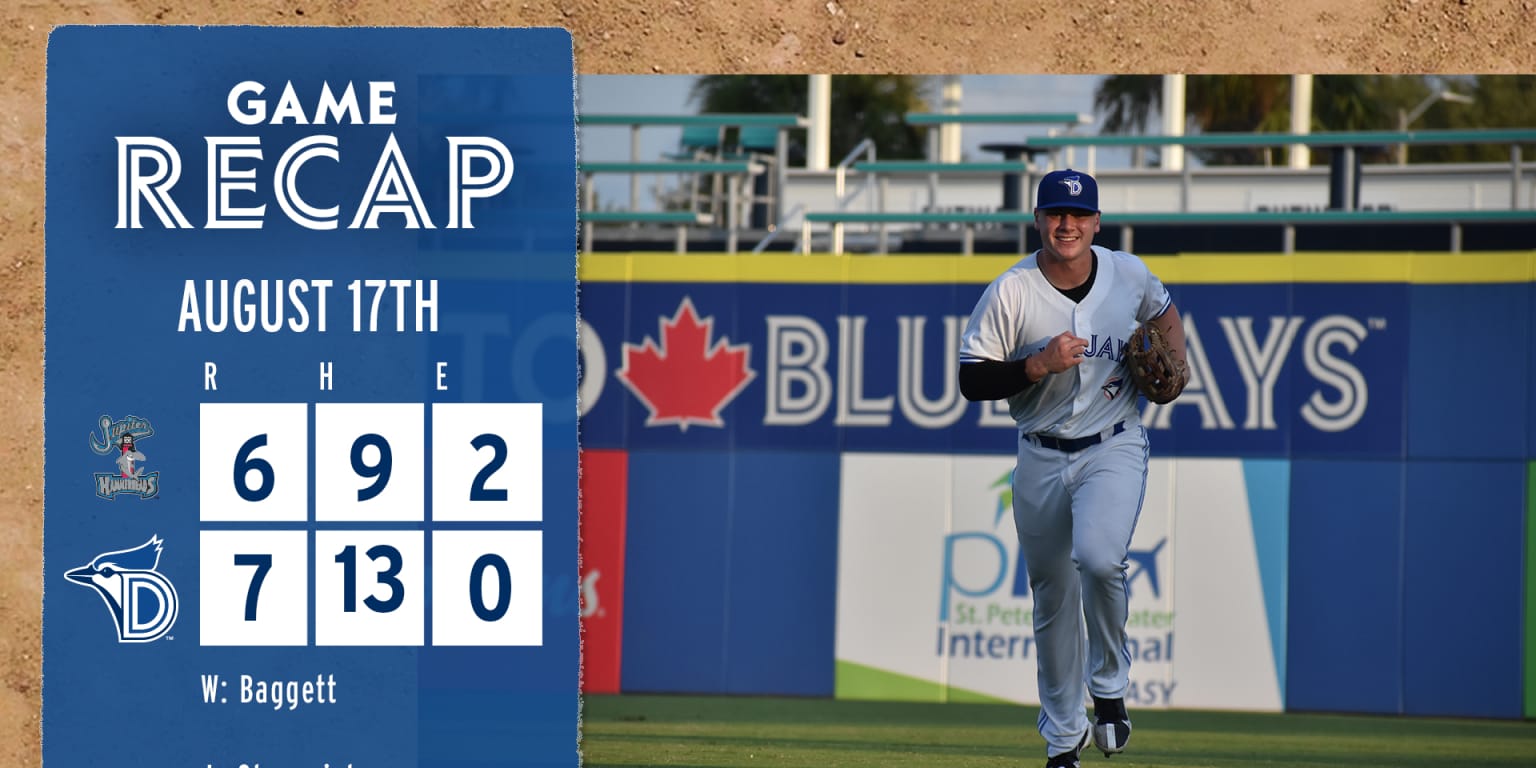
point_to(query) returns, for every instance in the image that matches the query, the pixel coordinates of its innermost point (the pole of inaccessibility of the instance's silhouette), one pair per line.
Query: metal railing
(1346, 142)
(1286, 220)
(782, 122)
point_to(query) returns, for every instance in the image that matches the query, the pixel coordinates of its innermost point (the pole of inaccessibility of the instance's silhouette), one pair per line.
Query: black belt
(1075, 444)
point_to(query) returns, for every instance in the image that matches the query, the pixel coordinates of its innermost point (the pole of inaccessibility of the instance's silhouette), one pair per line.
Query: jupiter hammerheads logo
(120, 440)
(142, 602)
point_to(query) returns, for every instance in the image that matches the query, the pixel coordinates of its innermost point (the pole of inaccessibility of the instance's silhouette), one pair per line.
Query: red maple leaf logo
(683, 380)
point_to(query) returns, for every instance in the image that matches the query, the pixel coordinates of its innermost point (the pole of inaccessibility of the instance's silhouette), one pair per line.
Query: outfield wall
(783, 492)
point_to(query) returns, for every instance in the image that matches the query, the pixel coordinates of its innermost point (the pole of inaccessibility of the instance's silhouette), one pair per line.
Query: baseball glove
(1157, 372)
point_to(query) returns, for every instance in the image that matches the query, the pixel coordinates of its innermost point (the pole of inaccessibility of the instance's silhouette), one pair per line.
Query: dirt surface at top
(683, 36)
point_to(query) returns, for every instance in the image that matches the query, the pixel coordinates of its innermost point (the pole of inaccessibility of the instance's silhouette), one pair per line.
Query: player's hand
(1062, 352)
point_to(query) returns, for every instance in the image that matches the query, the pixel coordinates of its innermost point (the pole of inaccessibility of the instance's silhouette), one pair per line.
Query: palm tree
(1125, 104)
(1498, 101)
(1232, 103)
(863, 106)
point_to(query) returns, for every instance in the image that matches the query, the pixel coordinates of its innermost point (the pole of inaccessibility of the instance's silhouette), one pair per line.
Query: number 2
(498, 446)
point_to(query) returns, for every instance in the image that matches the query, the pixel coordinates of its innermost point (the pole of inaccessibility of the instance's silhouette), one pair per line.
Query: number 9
(378, 470)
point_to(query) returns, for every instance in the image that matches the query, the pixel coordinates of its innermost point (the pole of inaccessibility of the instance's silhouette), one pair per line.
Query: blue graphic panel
(326, 513)
(1462, 596)
(1437, 427)
(1345, 629)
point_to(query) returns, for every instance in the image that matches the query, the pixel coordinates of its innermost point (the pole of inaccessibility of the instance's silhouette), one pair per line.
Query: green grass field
(724, 732)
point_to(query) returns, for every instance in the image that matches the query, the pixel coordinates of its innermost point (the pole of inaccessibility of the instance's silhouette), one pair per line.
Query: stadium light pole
(1405, 117)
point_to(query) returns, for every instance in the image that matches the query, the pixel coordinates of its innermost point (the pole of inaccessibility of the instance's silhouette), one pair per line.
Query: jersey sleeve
(1154, 299)
(987, 334)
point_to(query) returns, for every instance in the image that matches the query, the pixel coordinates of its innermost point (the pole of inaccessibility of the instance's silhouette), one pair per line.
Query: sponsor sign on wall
(1276, 370)
(604, 497)
(940, 608)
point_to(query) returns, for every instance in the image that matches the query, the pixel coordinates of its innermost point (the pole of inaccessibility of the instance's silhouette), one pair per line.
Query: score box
(369, 461)
(311, 301)
(493, 451)
(254, 462)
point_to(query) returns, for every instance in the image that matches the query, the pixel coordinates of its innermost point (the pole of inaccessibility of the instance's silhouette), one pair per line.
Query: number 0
(477, 490)
(477, 589)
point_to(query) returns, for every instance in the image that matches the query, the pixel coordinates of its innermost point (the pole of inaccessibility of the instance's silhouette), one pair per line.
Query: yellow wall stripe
(1419, 268)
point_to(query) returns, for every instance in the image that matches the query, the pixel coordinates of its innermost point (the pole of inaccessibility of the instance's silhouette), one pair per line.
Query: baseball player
(1050, 336)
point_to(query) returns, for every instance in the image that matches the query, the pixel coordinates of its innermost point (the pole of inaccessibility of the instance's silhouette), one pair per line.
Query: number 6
(245, 464)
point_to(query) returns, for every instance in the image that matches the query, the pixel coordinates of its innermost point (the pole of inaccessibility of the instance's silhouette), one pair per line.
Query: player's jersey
(1021, 311)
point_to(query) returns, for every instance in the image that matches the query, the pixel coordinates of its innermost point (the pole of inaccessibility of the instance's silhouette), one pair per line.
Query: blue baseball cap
(1068, 189)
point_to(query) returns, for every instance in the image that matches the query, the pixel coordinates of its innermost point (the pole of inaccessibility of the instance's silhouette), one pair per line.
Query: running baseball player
(1056, 336)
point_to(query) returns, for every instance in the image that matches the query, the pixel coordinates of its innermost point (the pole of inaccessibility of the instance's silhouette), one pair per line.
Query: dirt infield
(683, 36)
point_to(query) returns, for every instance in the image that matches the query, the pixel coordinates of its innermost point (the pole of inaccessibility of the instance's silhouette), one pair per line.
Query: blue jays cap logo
(142, 602)
(1068, 188)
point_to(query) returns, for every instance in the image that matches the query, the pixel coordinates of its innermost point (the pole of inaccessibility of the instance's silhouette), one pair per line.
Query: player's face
(1066, 232)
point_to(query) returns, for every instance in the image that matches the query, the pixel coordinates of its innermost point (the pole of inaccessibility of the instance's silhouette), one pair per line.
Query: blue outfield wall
(731, 557)
(1406, 587)
(1421, 557)
(1345, 630)
(1471, 372)
(1400, 399)
(1462, 588)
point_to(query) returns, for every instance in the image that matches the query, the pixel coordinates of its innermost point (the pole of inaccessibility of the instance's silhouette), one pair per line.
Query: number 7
(263, 564)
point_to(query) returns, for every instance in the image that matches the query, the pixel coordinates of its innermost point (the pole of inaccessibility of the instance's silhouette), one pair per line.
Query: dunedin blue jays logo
(142, 602)
(1074, 185)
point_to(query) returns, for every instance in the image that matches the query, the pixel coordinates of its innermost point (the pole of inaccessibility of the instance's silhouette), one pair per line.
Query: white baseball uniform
(1075, 504)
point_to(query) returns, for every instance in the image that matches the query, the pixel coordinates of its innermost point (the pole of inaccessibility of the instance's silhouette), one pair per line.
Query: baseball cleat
(1111, 726)
(1068, 759)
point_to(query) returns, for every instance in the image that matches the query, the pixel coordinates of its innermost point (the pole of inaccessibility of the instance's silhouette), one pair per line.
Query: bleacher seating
(736, 148)
(717, 176)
